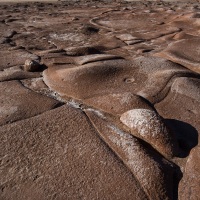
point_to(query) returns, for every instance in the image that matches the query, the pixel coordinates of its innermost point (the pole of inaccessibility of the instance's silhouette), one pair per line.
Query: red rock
(184, 52)
(100, 58)
(150, 127)
(59, 154)
(16, 73)
(137, 158)
(18, 102)
(113, 76)
(190, 183)
(13, 58)
(118, 103)
(31, 65)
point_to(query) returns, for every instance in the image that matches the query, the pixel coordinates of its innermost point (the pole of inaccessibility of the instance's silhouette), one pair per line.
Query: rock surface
(178, 52)
(31, 66)
(50, 156)
(99, 100)
(148, 77)
(149, 126)
(129, 149)
(18, 102)
(191, 177)
(119, 103)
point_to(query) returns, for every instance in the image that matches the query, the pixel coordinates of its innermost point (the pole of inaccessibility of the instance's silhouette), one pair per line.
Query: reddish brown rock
(13, 58)
(150, 127)
(93, 58)
(103, 54)
(18, 102)
(190, 183)
(81, 51)
(58, 58)
(184, 52)
(181, 109)
(183, 35)
(59, 155)
(16, 73)
(148, 77)
(182, 102)
(31, 65)
(137, 158)
(35, 84)
(118, 104)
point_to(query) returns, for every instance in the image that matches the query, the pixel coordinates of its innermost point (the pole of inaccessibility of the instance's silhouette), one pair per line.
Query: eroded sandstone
(128, 74)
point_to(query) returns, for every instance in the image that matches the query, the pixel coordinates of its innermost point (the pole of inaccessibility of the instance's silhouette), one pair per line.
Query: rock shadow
(186, 135)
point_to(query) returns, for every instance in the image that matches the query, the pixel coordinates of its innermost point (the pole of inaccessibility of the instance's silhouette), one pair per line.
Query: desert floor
(99, 100)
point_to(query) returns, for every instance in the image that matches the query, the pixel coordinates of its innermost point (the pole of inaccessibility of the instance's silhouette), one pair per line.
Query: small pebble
(31, 65)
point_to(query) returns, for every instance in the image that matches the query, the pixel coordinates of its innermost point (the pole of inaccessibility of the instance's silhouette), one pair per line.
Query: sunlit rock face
(99, 100)
(149, 126)
(129, 149)
(148, 77)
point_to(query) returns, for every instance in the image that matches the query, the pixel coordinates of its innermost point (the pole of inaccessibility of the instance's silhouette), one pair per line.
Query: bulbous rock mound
(135, 155)
(99, 75)
(149, 126)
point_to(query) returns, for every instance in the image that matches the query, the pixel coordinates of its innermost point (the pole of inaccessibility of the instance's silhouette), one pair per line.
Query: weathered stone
(59, 154)
(31, 66)
(150, 127)
(18, 102)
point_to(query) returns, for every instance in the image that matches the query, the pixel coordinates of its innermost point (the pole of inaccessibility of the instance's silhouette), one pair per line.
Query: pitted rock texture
(149, 126)
(129, 149)
(60, 154)
(125, 76)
